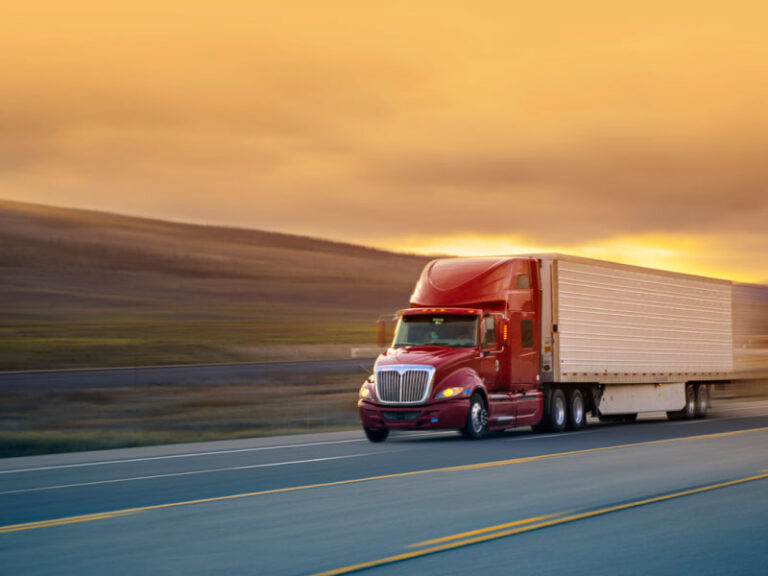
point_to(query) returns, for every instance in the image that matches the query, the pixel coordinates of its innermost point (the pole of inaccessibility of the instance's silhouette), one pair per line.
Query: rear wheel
(702, 401)
(477, 418)
(557, 411)
(689, 410)
(576, 415)
(376, 434)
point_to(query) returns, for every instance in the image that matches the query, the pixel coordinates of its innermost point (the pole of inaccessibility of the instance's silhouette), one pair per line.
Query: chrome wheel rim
(559, 411)
(703, 399)
(578, 410)
(479, 417)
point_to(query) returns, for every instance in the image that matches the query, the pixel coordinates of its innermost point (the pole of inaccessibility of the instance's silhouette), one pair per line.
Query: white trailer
(644, 340)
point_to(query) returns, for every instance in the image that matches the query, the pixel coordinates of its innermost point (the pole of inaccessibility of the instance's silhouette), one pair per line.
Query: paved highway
(655, 497)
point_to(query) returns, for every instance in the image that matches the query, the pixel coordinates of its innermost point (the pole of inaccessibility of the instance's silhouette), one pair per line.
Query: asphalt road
(654, 497)
(45, 380)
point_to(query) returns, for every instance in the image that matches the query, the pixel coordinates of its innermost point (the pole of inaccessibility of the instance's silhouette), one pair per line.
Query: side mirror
(385, 330)
(491, 333)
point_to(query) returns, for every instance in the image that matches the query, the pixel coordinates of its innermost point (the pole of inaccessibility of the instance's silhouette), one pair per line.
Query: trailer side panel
(622, 324)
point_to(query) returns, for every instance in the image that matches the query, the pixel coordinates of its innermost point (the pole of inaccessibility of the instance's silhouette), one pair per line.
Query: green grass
(150, 340)
(39, 423)
(84, 289)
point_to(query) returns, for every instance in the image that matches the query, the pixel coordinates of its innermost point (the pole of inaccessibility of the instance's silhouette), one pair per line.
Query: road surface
(654, 497)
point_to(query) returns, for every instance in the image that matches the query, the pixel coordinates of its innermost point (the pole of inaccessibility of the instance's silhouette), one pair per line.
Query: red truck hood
(445, 360)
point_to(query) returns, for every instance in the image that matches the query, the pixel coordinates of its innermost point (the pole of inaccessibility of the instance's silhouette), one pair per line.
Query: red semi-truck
(543, 340)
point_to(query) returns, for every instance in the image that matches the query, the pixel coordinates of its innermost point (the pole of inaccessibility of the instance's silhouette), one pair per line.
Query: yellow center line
(485, 530)
(531, 527)
(62, 521)
(477, 466)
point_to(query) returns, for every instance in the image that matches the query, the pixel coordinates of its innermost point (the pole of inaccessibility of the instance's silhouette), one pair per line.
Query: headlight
(449, 393)
(366, 390)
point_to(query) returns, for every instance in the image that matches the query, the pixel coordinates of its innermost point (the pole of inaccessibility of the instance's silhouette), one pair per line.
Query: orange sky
(637, 134)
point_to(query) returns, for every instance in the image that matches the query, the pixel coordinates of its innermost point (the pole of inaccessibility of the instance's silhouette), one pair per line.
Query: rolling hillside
(83, 288)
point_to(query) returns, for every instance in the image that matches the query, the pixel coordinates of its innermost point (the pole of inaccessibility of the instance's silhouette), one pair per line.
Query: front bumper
(447, 414)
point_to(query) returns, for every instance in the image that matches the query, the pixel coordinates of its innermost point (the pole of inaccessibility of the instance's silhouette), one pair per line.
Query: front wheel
(376, 434)
(477, 418)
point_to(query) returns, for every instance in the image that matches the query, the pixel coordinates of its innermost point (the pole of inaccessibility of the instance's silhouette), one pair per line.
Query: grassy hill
(82, 288)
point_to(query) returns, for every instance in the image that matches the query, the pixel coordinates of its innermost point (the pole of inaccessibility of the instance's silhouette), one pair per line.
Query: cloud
(370, 123)
(600, 189)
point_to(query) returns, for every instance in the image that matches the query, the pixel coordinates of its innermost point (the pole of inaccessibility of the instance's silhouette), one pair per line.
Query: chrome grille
(403, 384)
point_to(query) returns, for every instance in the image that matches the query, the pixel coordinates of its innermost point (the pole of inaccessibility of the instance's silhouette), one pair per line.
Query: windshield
(457, 330)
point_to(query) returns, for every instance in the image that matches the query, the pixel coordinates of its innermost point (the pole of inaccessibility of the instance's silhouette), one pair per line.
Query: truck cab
(465, 355)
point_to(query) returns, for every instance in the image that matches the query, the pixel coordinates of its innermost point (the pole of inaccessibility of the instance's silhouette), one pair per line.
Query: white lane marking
(173, 456)
(304, 445)
(212, 453)
(189, 473)
(426, 434)
(543, 436)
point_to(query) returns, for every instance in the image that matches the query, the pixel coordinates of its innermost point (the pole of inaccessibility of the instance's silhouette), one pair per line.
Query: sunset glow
(636, 134)
(688, 254)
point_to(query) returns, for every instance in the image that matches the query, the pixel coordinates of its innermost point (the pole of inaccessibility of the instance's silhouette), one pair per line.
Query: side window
(523, 282)
(489, 332)
(526, 329)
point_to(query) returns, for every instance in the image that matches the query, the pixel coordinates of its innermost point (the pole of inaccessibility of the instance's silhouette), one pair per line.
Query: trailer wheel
(477, 418)
(558, 411)
(376, 434)
(689, 411)
(576, 415)
(702, 401)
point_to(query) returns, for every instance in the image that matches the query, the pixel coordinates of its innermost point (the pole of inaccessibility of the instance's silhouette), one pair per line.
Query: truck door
(524, 364)
(492, 370)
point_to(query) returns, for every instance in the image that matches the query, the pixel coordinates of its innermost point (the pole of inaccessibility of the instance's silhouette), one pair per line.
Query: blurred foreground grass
(93, 419)
(93, 340)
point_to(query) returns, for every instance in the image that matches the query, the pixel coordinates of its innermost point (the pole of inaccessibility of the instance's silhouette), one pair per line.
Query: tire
(558, 411)
(689, 411)
(477, 418)
(577, 417)
(376, 434)
(702, 401)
